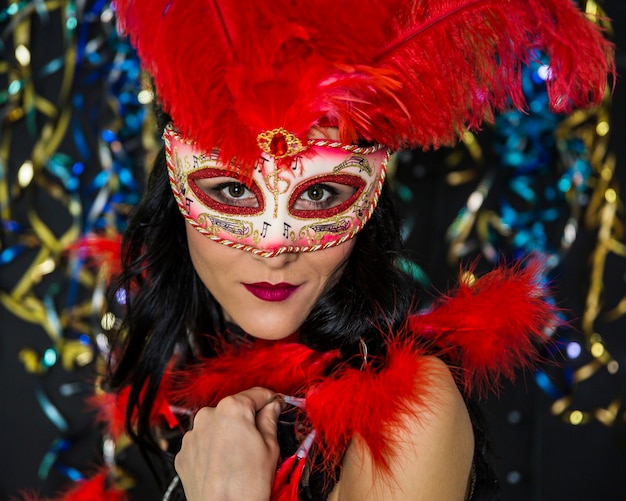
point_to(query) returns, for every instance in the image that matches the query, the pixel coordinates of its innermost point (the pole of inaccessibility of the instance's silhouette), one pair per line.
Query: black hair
(371, 298)
(168, 307)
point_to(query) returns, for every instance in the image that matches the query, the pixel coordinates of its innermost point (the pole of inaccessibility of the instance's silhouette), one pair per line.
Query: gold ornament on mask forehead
(279, 143)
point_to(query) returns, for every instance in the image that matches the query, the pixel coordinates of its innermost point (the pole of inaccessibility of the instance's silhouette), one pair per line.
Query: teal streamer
(51, 412)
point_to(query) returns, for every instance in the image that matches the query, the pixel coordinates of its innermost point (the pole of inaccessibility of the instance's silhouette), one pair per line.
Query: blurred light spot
(564, 184)
(106, 16)
(102, 342)
(468, 278)
(573, 350)
(84, 358)
(576, 417)
(15, 114)
(612, 367)
(45, 267)
(108, 321)
(606, 173)
(514, 417)
(544, 72)
(25, 174)
(474, 201)
(610, 195)
(602, 129)
(108, 135)
(49, 357)
(569, 233)
(513, 477)
(78, 168)
(145, 97)
(22, 54)
(597, 349)
(14, 87)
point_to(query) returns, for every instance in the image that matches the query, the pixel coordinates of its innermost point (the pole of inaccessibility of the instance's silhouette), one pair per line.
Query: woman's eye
(236, 190)
(323, 196)
(316, 193)
(232, 193)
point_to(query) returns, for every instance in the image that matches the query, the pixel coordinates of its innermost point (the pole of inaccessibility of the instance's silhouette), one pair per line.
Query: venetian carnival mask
(320, 197)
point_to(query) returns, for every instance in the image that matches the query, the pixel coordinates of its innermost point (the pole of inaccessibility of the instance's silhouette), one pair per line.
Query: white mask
(321, 197)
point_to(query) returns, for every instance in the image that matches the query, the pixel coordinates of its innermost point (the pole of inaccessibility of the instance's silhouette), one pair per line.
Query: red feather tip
(100, 487)
(112, 408)
(287, 479)
(396, 72)
(289, 474)
(492, 326)
(100, 251)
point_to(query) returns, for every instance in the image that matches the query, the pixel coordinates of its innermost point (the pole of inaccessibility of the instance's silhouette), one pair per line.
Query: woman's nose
(280, 260)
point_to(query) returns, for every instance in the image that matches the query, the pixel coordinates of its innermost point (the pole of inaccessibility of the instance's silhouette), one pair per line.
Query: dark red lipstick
(271, 292)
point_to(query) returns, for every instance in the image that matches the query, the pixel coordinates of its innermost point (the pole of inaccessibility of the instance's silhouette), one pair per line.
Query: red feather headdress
(396, 72)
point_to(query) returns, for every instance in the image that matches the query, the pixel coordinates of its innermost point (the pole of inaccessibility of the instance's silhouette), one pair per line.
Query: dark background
(539, 457)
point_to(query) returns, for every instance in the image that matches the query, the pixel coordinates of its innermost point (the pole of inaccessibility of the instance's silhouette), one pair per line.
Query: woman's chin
(269, 329)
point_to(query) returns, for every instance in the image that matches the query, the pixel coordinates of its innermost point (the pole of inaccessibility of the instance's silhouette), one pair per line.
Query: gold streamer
(22, 300)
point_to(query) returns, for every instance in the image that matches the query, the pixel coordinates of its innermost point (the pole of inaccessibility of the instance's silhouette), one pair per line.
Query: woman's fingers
(232, 450)
(265, 408)
(252, 400)
(267, 422)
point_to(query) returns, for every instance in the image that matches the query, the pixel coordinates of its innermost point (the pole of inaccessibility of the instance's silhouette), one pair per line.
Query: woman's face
(269, 298)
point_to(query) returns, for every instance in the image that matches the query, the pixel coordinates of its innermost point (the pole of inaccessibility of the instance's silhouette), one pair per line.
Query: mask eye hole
(325, 196)
(225, 194)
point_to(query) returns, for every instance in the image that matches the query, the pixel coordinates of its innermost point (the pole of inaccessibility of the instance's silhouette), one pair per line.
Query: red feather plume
(369, 403)
(492, 326)
(397, 72)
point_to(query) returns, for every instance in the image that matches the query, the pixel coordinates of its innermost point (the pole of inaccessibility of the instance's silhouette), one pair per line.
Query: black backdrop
(539, 456)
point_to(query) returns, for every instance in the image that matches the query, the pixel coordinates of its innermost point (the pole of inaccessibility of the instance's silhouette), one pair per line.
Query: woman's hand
(232, 450)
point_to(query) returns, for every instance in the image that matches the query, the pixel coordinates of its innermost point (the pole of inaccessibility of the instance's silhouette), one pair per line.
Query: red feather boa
(487, 329)
(381, 397)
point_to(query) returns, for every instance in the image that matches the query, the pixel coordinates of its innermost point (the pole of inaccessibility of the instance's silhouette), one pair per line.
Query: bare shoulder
(434, 452)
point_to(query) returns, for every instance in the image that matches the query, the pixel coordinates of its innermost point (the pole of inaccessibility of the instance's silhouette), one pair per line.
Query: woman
(265, 313)
(331, 298)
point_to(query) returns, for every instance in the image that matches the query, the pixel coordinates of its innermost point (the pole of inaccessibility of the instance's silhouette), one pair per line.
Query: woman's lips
(271, 292)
